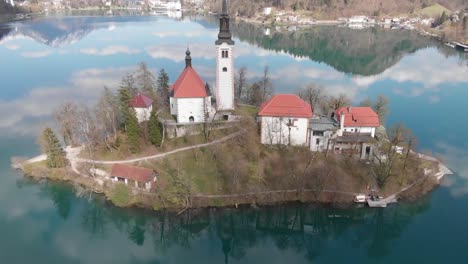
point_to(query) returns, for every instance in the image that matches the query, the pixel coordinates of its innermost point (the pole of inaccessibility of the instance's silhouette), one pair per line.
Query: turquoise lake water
(47, 61)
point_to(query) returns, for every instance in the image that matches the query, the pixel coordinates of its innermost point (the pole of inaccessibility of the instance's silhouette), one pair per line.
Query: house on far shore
(285, 120)
(143, 105)
(134, 176)
(190, 102)
(357, 130)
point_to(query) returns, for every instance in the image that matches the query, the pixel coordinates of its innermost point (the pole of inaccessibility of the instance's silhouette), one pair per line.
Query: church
(190, 100)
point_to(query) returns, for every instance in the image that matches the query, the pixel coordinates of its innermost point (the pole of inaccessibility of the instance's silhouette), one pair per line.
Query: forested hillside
(337, 8)
(6, 8)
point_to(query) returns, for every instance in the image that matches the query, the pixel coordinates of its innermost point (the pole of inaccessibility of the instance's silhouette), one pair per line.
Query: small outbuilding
(143, 105)
(134, 176)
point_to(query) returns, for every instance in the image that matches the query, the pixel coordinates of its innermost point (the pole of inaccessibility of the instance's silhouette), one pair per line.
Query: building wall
(224, 80)
(173, 105)
(143, 114)
(323, 141)
(274, 130)
(191, 107)
(361, 130)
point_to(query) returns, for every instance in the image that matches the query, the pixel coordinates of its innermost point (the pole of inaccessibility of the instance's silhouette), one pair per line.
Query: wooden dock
(382, 202)
(461, 46)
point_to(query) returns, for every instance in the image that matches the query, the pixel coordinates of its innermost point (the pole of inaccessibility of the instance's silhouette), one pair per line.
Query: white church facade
(189, 101)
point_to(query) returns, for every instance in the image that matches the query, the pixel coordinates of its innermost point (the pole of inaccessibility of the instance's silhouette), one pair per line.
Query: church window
(225, 54)
(224, 69)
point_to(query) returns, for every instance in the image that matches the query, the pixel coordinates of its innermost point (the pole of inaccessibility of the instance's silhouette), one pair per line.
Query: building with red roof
(134, 176)
(285, 120)
(358, 120)
(189, 99)
(143, 105)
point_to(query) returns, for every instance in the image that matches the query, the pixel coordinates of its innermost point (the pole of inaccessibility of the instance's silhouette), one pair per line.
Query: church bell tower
(224, 64)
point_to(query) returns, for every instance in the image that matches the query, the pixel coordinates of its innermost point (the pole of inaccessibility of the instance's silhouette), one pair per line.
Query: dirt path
(73, 153)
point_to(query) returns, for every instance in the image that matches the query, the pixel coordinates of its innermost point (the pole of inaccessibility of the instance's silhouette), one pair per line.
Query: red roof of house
(189, 85)
(141, 101)
(289, 105)
(132, 173)
(358, 116)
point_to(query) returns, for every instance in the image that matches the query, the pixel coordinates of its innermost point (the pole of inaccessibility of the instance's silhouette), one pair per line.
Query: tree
(154, 128)
(312, 94)
(107, 111)
(66, 116)
(133, 131)
(381, 108)
(366, 103)
(163, 88)
(255, 94)
(128, 83)
(386, 159)
(145, 80)
(51, 147)
(240, 82)
(266, 85)
(333, 103)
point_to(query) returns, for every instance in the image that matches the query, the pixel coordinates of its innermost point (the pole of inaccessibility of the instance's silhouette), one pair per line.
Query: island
(187, 145)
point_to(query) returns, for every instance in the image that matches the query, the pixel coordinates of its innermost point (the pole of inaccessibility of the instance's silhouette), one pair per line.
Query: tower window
(225, 54)
(224, 69)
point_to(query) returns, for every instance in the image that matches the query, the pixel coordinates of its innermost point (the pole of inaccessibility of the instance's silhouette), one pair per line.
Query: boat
(360, 198)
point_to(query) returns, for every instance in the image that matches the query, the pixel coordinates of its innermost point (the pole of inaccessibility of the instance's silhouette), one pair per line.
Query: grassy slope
(433, 11)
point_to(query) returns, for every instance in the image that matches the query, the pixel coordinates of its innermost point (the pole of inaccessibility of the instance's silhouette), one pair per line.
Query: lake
(47, 61)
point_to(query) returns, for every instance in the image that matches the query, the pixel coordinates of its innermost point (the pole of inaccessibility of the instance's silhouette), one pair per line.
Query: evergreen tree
(146, 81)
(163, 87)
(133, 131)
(154, 128)
(52, 148)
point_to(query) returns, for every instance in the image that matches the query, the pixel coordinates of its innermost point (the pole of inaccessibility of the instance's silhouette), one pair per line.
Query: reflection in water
(306, 230)
(368, 51)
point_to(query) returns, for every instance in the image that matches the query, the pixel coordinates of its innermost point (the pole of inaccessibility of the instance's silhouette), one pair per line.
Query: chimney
(342, 119)
(349, 109)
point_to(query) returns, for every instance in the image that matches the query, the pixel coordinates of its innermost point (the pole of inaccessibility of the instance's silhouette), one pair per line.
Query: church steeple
(188, 59)
(224, 35)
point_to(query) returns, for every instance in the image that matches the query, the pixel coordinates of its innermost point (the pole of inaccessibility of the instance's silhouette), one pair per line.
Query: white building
(267, 11)
(224, 64)
(285, 120)
(189, 99)
(357, 20)
(357, 120)
(357, 131)
(143, 105)
(134, 176)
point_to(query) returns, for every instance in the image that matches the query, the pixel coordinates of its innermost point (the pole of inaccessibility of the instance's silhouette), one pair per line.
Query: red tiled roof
(358, 117)
(289, 105)
(141, 101)
(132, 173)
(189, 85)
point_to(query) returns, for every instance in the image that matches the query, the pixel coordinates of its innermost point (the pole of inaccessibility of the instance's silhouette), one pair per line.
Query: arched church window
(191, 119)
(224, 69)
(225, 54)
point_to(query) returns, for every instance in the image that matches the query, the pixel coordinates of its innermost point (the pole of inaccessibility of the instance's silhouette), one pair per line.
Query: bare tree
(107, 111)
(313, 94)
(241, 82)
(266, 85)
(66, 117)
(385, 159)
